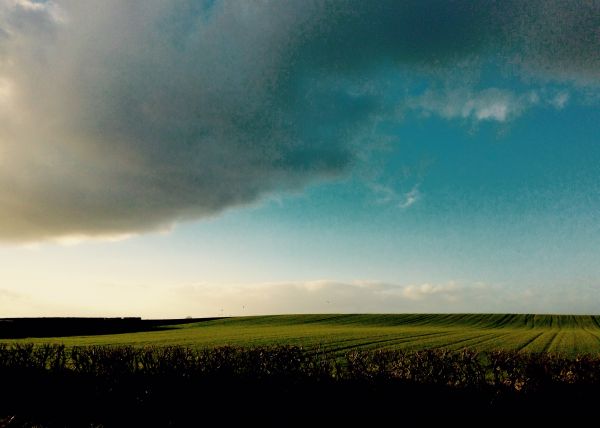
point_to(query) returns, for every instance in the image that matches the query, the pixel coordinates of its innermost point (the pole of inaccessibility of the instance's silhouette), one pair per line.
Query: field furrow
(338, 333)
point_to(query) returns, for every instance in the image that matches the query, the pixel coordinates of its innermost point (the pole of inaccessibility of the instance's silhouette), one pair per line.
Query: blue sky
(285, 157)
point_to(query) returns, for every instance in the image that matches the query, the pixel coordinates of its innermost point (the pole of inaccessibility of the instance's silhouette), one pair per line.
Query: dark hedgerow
(440, 367)
(57, 386)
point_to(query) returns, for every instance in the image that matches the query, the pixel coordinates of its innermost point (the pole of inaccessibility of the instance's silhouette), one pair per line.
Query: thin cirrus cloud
(124, 117)
(385, 195)
(491, 105)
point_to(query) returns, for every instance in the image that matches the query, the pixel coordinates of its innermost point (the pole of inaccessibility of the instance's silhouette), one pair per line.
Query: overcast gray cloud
(121, 117)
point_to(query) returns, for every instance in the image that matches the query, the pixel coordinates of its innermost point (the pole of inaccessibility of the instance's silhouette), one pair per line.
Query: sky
(207, 157)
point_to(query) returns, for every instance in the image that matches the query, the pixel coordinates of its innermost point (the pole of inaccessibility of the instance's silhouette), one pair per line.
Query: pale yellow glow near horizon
(6, 91)
(121, 279)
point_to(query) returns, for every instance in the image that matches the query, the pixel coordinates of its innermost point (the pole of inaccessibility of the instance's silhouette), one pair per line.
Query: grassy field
(564, 334)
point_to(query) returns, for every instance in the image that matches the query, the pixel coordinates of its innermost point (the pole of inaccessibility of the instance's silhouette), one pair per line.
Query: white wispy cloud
(331, 296)
(486, 105)
(363, 296)
(410, 198)
(422, 291)
(491, 105)
(560, 100)
(385, 195)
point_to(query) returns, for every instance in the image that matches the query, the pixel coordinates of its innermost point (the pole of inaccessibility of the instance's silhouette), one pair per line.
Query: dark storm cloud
(556, 40)
(121, 117)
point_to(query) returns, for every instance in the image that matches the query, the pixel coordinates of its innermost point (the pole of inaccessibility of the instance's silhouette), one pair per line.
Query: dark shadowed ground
(18, 328)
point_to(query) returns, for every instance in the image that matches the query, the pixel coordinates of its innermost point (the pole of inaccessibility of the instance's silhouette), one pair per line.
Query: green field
(564, 334)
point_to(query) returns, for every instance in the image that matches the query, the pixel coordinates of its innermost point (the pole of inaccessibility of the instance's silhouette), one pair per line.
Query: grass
(157, 380)
(563, 334)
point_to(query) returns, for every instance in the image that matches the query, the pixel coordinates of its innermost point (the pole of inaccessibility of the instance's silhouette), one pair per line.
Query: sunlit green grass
(563, 334)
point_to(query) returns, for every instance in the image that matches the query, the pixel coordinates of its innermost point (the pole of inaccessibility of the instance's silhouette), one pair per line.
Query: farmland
(162, 374)
(568, 335)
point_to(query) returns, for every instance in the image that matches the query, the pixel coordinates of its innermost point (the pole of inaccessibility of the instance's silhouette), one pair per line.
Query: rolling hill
(338, 333)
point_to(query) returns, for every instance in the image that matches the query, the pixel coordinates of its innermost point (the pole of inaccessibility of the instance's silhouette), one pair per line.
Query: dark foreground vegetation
(51, 385)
